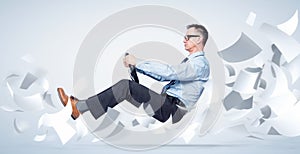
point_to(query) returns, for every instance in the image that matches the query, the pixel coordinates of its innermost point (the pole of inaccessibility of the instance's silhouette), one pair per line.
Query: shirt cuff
(138, 61)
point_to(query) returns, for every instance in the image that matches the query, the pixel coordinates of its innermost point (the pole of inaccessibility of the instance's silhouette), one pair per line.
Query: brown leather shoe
(75, 113)
(62, 96)
(64, 100)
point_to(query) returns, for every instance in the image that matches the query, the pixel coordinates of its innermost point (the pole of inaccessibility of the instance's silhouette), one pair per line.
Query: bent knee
(123, 82)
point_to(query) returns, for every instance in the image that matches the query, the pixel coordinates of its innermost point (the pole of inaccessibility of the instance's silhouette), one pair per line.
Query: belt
(177, 101)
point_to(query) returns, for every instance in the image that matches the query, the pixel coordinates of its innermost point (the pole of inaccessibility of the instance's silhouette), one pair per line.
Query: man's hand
(129, 60)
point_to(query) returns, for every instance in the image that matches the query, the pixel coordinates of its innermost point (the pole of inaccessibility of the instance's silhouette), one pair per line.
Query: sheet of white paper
(296, 93)
(288, 46)
(266, 111)
(21, 126)
(28, 58)
(95, 140)
(135, 123)
(273, 131)
(9, 87)
(91, 123)
(255, 137)
(290, 26)
(234, 115)
(249, 118)
(145, 121)
(246, 82)
(80, 129)
(30, 96)
(64, 131)
(30, 103)
(149, 110)
(276, 86)
(240, 130)
(230, 84)
(42, 82)
(255, 123)
(10, 109)
(58, 121)
(288, 123)
(270, 82)
(293, 69)
(108, 120)
(11, 76)
(262, 83)
(296, 85)
(262, 129)
(40, 138)
(230, 69)
(277, 55)
(144, 117)
(28, 80)
(117, 130)
(235, 100)
(282, 84)
(282, 103)
(251, 19)
(48, 99)
(233, 53)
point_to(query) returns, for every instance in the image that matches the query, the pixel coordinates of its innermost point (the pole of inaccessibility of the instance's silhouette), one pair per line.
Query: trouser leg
(134, 93)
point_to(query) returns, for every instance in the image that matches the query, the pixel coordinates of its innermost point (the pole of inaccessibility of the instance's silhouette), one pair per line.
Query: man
(177, 97)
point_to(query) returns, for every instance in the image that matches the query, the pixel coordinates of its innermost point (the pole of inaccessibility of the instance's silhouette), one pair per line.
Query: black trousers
(162, 105)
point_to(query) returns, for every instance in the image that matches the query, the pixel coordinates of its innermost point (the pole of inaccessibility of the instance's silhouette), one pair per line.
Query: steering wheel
(133, 74)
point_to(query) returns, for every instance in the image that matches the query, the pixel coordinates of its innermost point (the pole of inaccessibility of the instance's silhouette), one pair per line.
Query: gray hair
(201, 29)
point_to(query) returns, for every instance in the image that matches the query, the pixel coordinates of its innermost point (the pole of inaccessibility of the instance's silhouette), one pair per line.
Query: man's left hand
(129, 60)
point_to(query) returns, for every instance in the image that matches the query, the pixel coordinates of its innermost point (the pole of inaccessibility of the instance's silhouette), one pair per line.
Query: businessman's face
(191, 38)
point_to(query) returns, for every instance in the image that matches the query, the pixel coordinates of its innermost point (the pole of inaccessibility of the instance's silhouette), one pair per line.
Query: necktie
(184, 60)
(166, 87)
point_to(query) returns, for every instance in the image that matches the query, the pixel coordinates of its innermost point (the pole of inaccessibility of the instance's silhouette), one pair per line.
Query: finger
(124, 63)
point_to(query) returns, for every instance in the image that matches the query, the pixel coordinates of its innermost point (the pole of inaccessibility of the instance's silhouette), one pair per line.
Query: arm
(165, 72)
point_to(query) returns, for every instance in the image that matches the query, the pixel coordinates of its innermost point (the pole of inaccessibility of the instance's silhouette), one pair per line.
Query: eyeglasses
(187, 37)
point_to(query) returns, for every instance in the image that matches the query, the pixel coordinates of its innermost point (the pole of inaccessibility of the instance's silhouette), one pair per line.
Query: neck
(195, 49)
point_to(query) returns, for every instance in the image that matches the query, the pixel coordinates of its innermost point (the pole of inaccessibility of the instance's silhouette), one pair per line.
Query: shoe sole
(61, 100)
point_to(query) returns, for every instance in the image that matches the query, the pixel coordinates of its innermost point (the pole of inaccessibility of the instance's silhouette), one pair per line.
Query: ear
(199, 40)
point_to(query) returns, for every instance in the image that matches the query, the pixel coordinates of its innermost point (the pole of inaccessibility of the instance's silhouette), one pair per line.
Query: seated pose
(177, 97)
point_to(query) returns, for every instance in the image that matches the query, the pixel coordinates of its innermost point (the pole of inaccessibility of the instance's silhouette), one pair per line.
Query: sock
(81, 106)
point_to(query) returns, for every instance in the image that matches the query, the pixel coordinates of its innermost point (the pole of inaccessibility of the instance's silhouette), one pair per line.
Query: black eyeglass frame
(187, 37)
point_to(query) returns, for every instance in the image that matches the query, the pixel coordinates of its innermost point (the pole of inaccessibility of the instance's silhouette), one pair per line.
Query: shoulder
(199, 61)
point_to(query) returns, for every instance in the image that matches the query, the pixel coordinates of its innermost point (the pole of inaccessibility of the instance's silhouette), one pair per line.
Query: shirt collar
(196, 54)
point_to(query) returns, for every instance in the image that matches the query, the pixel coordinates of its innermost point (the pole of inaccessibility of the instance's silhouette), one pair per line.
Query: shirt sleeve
(188, 71)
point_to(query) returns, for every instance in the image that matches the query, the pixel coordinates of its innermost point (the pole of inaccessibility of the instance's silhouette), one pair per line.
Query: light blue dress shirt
(189, 76)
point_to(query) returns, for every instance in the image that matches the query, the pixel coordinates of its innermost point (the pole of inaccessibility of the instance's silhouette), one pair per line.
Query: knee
(122, 83)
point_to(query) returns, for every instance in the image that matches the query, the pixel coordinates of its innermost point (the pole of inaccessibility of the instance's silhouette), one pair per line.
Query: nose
(184, 40)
